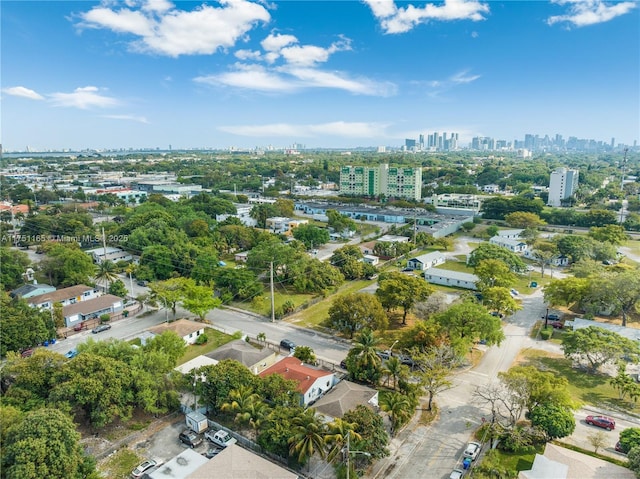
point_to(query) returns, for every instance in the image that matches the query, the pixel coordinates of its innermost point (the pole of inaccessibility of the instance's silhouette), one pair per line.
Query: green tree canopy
(22, 326)
(598, 346)
(14, 266)
(491, 251)
(311, 235)
(493, 273)
(355, 311)
(556, 421)
(399, 290)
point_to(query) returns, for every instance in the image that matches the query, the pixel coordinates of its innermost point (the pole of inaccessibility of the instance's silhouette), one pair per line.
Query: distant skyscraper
(562, 185)
(410, 144)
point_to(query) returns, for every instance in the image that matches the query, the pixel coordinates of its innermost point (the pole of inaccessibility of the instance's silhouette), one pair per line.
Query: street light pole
(352, 452)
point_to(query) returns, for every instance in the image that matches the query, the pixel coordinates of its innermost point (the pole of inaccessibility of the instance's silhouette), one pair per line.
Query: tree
(634, 460)
(22, 326)
(435, 303)
(363, 362)
(305, 354)
(598, 346)
(499, 299)
(237, 284)
(117, 288)
(469, 321)
(67, 265)
(349, 260)
(198, 300)
(168, 343)
(14, 266)
(597, 440)
(311, 235)
(524, 220)
(620, 290)
(308, 432)
(352, 312)
(566, 291)
(45, 444)
(492, 273)
(394, 369)
(613, 234)
(576, 247)
(398, 290)
(542, 259)
(491, 251)
(315, 276)
(168, 292)
(556, 421)
(493, 467)
(630, 438)
(261, 212)
(340, 223)
(221, 379)
(106, 272)
(399, 409)
(434, 377)
(370, 427)
(241, 401)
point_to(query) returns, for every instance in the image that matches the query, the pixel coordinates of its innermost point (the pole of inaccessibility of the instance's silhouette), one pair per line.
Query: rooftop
(60, 294)
(182, 327)
(91, 306)
(293, 368)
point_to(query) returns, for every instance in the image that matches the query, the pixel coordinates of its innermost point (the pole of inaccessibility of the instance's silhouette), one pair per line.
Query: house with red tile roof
(312, 382)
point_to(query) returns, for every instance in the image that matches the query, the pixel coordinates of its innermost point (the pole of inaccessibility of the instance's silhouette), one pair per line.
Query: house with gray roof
(256, 360)
(513, 245)
(30, 290)
(344, 397)
(426, 261)
(454, 279)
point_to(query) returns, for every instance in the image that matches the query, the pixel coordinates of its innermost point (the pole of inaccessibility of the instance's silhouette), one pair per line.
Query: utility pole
(273, 304)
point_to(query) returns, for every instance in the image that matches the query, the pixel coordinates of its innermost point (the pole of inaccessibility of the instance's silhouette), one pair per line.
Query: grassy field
(585, 388)
(216, 339)
(120, 464)
(281, 296)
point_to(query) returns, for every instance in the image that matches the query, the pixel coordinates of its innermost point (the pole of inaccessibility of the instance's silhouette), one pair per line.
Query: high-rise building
(562, 185)
(394, 182)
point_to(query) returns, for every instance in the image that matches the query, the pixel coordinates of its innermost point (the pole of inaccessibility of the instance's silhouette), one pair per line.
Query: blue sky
(238, 73)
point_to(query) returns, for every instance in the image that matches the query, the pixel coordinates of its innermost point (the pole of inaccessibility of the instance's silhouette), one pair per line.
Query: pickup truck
(221, 438)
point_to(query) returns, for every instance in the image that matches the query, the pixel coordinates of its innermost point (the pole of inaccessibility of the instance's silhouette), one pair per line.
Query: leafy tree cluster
(22, 326)
(489, 251)
(597, 346)
(198, 299)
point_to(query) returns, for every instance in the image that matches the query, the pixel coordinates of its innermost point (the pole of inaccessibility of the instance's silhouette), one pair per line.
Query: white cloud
(438, 87)
(248, 55)
(338, 128)
(252, 77)
(83, 98)
(139, 119)
(312, 77)
(23, 92)
(276, 42)
(165, 30)
(590, 12)
(309, 55)
(401, 20)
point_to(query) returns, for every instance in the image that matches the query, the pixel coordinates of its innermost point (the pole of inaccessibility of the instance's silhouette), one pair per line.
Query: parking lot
(164, 444)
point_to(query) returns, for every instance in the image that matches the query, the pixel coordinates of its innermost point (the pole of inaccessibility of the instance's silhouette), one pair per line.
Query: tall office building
(562, 185)
(381, 180)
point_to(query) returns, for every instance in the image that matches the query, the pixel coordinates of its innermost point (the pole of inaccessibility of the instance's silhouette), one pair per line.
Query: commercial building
(562, 185)
(393, 182)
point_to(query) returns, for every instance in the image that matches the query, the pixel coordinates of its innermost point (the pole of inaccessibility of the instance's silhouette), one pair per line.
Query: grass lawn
(585, 388)
(314, 315)
(280, 296)
(518, 461)
(216, 339)
(120, 464)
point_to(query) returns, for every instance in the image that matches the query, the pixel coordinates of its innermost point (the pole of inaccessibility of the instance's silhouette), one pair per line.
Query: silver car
(472, 450)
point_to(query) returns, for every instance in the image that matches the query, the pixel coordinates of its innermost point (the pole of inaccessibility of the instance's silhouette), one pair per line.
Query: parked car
(384, 354)
(142, 282)
(343, 364)
(601, 421)
(456, 474)
(190, 438)
(472, 450)
(553, 317)
(514, 292)
(100, 328)
(142, 468)
(80, 326)
(557, 324)
(213, 451)
(619, 447)
(27, 353)
(71, 354)
(221, 438)
(497, 314)
(288, 345)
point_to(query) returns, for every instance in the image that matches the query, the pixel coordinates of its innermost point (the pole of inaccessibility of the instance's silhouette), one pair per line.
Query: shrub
(546, 333)
(104, 318)
(202, 339)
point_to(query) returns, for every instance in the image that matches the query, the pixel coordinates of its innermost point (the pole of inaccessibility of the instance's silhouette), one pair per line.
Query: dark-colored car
(384, 354)
(343, 364)
(601, 421)
(557, 324)
(288, 344)
(213, 451)
(100, 328)
(27, 353)
(190, 438)
(619, 447)
(142, 282)
(553, 317)
(80, 326)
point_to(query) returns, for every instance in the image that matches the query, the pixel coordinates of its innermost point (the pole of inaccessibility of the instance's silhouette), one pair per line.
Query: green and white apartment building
(381, 180)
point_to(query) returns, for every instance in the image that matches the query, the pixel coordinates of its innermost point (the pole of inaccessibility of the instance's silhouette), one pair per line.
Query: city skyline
(91, 75)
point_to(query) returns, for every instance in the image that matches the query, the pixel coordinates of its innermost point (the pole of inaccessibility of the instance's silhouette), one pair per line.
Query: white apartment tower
(562, 185)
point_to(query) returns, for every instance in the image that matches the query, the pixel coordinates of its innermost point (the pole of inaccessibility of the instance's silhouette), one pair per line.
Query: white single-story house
(511, 234)
(241, 257)
(109, 253)
(426, 261)
(196, 363)
(66, 296)
(371, 259)
(186, 329)
(513, 245)
(312, 382)
(91, 309)
(560, 260)
(454, 279)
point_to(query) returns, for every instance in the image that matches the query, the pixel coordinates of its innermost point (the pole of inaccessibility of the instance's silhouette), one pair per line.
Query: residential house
(513, 245)
(345, 396)
(282, 225)
(185, 328)
(370, 259)
(180, 467)
(109, 253)
(30, 290)
(454, 279)
(243, 213)
(511, 234)
(195, 363)
(426, 261)
(66, 296)
(255, 359)
(91, 309)
(241, 257)
(312, 382)
(559, 260)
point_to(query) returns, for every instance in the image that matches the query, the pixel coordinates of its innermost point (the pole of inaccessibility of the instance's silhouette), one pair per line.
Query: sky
(335, 74)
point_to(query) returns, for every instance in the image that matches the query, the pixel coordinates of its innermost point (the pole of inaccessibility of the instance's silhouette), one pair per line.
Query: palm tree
(393, 368)
(365, 350)
(337, 433)
(106, 272)
(240, 401)
(398, 407)
(308, 436)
